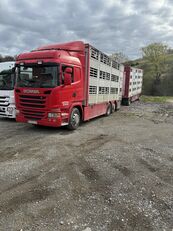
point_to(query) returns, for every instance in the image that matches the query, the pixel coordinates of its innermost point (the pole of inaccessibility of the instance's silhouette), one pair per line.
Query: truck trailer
(7, 82)
(64, 84)
(132, 86)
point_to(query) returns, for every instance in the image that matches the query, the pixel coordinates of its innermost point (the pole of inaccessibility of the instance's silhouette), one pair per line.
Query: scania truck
(64, 84)
(7, 82)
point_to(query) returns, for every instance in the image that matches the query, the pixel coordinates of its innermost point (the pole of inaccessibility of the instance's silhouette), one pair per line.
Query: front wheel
(75, 118)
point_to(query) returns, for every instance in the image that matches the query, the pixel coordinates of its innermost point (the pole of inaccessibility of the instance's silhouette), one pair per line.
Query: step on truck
(7, 82)
(64, 84)
(132, 85)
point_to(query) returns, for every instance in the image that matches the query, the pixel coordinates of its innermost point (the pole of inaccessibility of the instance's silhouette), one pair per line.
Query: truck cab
(49, 84)
(7, 82)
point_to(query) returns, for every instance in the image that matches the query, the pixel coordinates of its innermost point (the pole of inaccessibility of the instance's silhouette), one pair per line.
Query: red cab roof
(70, 46)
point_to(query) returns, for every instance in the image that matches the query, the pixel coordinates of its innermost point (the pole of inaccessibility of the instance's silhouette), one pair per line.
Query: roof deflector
(76, 46)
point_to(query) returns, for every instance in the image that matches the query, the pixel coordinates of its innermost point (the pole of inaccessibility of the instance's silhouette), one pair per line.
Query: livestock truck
(64, 84)
(132, 85)
(7, 82)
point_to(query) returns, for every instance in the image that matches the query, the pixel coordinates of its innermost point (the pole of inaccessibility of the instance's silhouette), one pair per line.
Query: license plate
(32, 122)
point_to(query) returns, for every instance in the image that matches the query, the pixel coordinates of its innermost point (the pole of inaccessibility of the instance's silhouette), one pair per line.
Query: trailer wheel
(75, 118)
(113, 108)
(128, 102)
(109, 110)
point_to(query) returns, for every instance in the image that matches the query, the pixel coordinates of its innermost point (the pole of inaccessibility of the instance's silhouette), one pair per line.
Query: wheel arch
(79, 107)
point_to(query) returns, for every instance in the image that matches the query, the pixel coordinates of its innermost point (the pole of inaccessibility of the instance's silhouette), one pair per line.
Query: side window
(63, 70)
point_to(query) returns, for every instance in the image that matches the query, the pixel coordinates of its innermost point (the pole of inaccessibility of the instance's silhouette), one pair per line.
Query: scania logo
(31, 91)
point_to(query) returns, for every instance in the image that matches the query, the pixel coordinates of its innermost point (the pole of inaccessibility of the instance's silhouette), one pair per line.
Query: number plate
(32, 122)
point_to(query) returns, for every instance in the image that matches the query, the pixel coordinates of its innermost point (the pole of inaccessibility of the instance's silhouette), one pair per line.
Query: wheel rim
(75, 119)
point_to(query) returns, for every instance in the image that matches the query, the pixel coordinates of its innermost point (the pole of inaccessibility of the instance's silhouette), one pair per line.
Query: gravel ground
(113, 173)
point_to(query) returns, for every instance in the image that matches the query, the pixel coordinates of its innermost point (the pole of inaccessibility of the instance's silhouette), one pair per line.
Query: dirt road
(113, 173)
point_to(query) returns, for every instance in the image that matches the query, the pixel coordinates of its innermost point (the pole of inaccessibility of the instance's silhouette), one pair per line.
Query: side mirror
(67, 79)
(68, 76)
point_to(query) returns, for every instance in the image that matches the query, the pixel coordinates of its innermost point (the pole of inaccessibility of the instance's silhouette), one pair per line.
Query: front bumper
(8, 112)
(51, 122)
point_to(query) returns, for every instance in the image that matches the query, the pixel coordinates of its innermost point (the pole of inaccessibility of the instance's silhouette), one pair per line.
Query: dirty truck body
(132, 87)
(63, 84)
(7, 82)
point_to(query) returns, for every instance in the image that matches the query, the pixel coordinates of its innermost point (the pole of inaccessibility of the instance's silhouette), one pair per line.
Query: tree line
(158, 69)
(157, 64)
(7, 58)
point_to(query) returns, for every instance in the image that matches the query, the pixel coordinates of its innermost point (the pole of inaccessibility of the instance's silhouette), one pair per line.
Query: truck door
(72, 91)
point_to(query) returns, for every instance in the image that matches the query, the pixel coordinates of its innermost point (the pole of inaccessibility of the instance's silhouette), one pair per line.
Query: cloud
(111, 26)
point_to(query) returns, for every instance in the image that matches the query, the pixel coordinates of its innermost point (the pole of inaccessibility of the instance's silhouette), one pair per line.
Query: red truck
(64, 84)
(132, 85)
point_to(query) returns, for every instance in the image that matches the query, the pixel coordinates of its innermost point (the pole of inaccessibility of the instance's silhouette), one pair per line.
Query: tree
(155, 54)
(1, 58)
(7, 58)
(120, 57)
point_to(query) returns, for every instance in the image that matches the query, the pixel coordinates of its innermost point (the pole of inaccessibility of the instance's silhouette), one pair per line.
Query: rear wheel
(75, 118)
(113, 107)
(109, 110)
(128, 102)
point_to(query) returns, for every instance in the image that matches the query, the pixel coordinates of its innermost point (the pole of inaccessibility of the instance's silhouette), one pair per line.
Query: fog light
(53, 115)
(10, 110)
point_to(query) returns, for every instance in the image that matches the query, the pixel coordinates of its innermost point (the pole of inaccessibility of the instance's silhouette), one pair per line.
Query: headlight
(10, 110)
(53, 115)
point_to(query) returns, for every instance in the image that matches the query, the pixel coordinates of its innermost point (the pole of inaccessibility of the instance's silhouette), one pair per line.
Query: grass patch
(156, 99)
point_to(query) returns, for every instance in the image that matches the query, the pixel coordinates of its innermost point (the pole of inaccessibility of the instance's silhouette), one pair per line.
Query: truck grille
(32, 106)
(33, 101)
(33, 115)
(4, 101)
(2, 112)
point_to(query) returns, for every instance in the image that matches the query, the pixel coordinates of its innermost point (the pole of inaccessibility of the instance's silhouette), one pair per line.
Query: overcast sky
(109, 25)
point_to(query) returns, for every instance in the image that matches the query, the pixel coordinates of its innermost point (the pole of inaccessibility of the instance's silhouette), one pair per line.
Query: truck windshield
(7, 80)
(38, 76)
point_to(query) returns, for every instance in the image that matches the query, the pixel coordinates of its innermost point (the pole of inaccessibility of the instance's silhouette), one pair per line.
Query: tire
(109, 110)
(113, 108)
(128, 102)
(75, 118)
(118, 105)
